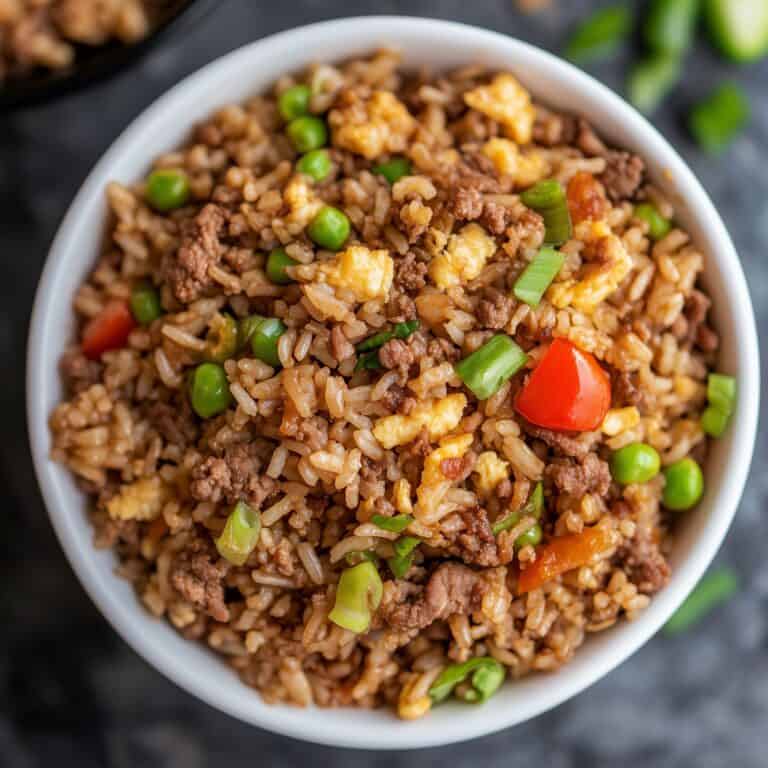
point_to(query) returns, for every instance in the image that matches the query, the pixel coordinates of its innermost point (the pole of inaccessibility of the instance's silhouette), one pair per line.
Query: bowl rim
(307, 724)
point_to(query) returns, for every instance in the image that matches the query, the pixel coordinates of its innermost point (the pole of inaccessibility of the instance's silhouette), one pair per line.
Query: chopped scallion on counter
(739, 28)
(600, 35)
(651, 80)
(716, 121)
(714, 588)
(669, 25)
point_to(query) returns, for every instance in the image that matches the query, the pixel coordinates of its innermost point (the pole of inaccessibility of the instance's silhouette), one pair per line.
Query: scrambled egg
(463, 258)
(439, 417)
(302, 203)
(600, 280)
(367, 274)
(618, 420)
(507, 102)
(142, 500)
(450, 448)
(526, 169)
(402, 497)
(386, 126)
(491, 470)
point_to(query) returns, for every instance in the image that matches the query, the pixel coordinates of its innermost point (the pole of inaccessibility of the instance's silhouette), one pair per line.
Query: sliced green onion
(739, 28)
(601, 35)
(651, 80)
(393, 169)
(222, 338)
(714, 588)
(716, 121)
(369, 361)
(538, 276)
(395, 524)
(486, 677)
(357, 595)
(487, 369)
(548, 199)
(532, 508)
(145, 303)
(721, 395)
(277, 261)
(658, 226)
(264, 340)
(669, 25)
(402, 560)
(240, 535)
(399, 331)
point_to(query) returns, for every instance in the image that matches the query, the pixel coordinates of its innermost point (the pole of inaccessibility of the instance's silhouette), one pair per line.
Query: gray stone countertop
(73, 695)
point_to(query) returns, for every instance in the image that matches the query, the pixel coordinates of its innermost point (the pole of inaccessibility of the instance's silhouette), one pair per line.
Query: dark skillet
(97, 63)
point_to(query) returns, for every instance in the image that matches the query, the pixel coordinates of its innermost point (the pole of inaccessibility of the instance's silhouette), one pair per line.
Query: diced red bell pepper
(108, 330)
(568, 390)
(562, 554)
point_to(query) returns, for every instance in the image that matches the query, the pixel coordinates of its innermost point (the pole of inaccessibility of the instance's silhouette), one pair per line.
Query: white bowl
(231, 79)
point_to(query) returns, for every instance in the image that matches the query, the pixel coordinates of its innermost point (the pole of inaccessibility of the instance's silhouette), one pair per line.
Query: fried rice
(319, 447)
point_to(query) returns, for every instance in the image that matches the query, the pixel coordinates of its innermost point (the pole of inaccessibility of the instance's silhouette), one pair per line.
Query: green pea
(684, 486)
(316, 164)
(145, 303)
(264, 340)
(209, 390)
(393, 169)
(329, 229)
(221, 341)
(293, 102)
(167, 189)
(635, 463)
(307, 133)
(531, 537)
(246, 328)
(277, 261)
(658, 226)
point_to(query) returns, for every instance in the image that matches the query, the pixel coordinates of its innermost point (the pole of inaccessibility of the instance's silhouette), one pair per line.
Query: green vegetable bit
(277, 261)
(145, 303)
(393, 169)
(487, 369)
(739, 28)
(369, 361)
(715, 588)
(353, 558)
(601, 35)
(684, 484)
(635, 463)
(548, 199)
(329, 229)
(717, 120)
(240, 535)
(721, 395)
(651, 80)
(658, 226)
(167, 189)
(307, 133)
(402, 560)
(538, 276)
(358, 594)
(399, 331)
(264, 340)
(246, 328)
(395, 524)
(669, 25)
(532, 508)
(316, 164)
(222, 339)
(209, 390)
(485, 675)
(293, 102)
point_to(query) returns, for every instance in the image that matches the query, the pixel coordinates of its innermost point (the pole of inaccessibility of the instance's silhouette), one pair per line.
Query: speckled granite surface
(74, 696)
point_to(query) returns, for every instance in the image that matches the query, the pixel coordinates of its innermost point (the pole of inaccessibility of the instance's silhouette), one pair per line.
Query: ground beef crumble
(231, 477)
(577, 478)
(198, 574)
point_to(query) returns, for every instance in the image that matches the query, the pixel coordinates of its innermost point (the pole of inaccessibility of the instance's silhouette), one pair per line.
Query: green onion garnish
(487, 369)
(395, 524)
(538, 275)
(714, 588)
(532, 508)
(402, 560)
(358, 594)
(399, 331)
(716, 121)
(240, 535)
(369, 361)
(548, 199)
(721, 396)
(658, 226)
(601, 35)
(651, 80)
(277, 261)
(669, 25)
(486, 677)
